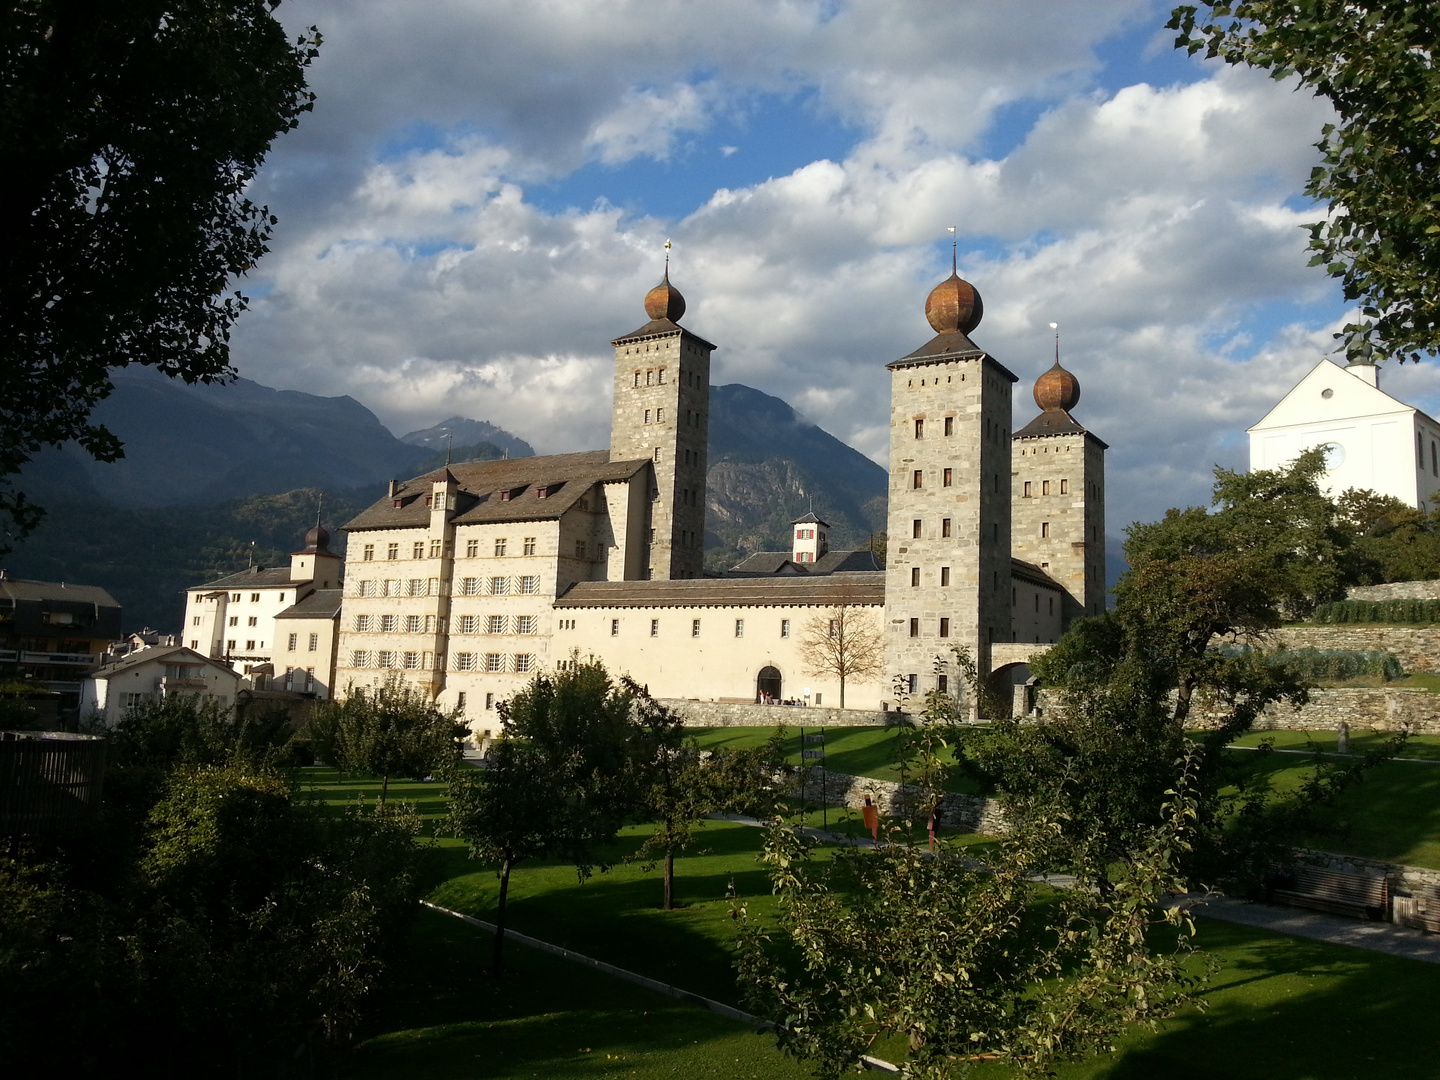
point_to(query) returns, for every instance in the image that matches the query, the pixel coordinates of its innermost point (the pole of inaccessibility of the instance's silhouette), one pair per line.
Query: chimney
(394, 488)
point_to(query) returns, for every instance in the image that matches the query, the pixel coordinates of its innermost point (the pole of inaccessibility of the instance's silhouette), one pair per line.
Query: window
(637, 378)
(489, 701)
(472, 549)
(234, 620)
(915, 529)
(914, 577)
(360, 658)
(659, 418)
(362, 624)
(919, 428)
(944, 526)
(694, 627)
(289, 678)
(230, 645)
(495, 624)
(499, 586)
(660, 376)
(944, 576)
(254, 597)
(739, 627)
(494, 661)
(917, 479)
(499, 546)
(1037, 603)
(436, 548)
(387, 624)
(252, 621)
(1044, 529)
(235, 598)
(949, 476)
(417, 549)
(1052, 605)
(529, 546)
(195, 620)
(912, 683)
(294, 642)
(914, 627)
(250, 646)
(414, 624)
(580, 548)
(650, 378)
(784, 627)
(614, 627)
(385, 658)
(392, 551)
(834, 627)
(526, 624)
(654, 627)
(524, 662)
(467, 624)
(368, 554)
(944, 627)
(1044, 487)
(1064, 487)
(314, 643)
(942, 683)
(647, 416)
(949, 425)
(412, 661)
(657, 453)
(460, 701)
(529, 584)
(465, 661)
(469, 586)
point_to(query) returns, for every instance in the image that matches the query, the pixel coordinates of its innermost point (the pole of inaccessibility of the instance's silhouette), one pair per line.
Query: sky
(481, 198)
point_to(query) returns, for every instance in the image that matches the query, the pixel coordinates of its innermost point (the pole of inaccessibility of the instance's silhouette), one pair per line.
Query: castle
(471, 578)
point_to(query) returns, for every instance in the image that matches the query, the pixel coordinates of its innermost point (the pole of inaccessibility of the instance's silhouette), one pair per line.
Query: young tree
(1374, 61)
(131, 132)
(394, 729)
(553, 782)
(843, 642)
(676, 786)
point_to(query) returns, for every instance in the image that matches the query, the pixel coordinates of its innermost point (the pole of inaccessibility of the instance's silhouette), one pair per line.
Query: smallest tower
(810, 542)
(316, 563)
(1058, 510)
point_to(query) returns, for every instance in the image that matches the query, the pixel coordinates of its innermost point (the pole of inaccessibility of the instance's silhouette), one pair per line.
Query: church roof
(483, 486)
(798, 590)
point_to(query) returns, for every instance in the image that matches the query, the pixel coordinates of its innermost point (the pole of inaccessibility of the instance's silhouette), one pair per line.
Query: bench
(1420, 911)
(1334, 891)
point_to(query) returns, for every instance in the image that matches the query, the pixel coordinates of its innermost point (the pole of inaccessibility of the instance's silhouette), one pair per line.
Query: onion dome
(664, 301)
(317, 539)
(1057, 390)
(954, 305)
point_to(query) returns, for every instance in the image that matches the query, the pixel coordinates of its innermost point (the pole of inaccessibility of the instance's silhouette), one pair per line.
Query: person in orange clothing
(870, 814)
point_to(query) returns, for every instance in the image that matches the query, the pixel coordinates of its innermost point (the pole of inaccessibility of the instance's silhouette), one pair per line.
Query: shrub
(1330, 665)
(1409, 612)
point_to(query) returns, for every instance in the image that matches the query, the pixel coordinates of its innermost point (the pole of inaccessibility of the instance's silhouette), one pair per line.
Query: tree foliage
(392, 729)
(1375, 62)
(1388, 539)
(130, 132)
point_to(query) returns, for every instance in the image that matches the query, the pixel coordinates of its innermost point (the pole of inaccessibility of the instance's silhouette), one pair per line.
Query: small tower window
(944, 627)
(949, 477)
(915, 529)
(1044, 487)
(944, 576)
(1044, 529)
(949, 425)
(914, 577)
(918, 479)
(660, 376)
(919, 428)
(1064, 487)
(944, 526)
(1027, 489)
(914, 627)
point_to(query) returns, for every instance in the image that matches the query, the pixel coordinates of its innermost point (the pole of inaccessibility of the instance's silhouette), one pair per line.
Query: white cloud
(417, 269)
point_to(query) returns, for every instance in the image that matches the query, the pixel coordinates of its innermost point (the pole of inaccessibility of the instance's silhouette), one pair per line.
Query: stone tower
(1058, 511)
(662, 412)
(947, 576)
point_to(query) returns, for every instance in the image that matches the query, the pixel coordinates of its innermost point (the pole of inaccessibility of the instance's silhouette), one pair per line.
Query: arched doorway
(767, 685)
(1010, 685)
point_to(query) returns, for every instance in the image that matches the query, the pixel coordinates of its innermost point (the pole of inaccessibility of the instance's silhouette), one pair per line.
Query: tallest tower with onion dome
(948, 573)
(1058, 515)
(662, 412)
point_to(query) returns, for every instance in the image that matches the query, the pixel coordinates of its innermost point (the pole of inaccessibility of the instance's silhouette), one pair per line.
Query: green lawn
(859, 751)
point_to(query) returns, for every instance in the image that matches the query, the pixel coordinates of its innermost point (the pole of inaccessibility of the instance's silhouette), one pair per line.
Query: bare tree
(843, 641)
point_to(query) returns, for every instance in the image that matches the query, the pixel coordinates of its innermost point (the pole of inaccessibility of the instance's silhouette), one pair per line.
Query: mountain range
(215, 477)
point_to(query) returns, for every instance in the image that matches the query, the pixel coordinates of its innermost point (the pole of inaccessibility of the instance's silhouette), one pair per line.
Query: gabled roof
(808, 519)
(844, 562)
(772, 563)
(1358, 398)
(767, 563)
(809, 590)
(165, 654)
(564, 477)
(254, 577)
(320, 604)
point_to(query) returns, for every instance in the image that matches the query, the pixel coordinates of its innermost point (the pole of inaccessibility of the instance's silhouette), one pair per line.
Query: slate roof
(566, 477)
(808, 518)
(22, 589)
(952, 346)
(320, 604)
(1030, 572)
(767, 563)
(770, 563)
(839, 562)
(659, 328)
(254, 577)
(1056, 422)
(787, 591)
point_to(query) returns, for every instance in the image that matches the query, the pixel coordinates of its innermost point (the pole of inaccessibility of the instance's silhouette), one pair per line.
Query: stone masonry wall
(730, 714)
(1377, 709)
(967, 813)
(1416, 647)
(1396, 590)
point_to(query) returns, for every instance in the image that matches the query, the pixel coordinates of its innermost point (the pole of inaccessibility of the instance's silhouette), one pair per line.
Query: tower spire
(1056, 327)
(667, 258)
(954, 257)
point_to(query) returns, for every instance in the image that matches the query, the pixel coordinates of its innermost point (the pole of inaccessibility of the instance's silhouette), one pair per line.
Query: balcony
(165, 684)
(79, 659)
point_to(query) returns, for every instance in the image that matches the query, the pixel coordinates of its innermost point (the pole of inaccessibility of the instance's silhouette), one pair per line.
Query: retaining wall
(963, 813)
(1396, 590)
(729, 714)
(1363, 708)
(1416, 647)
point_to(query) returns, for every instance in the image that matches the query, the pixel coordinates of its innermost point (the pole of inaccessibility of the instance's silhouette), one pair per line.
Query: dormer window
(542, 493)
(505, 495)
(429, 499)
(398, 503)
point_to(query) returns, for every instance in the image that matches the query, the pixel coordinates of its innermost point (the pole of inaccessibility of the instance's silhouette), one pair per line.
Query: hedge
(1415, 612)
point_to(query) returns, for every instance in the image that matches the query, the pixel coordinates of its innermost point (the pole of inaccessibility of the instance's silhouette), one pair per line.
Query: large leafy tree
(130, 131)
(1375, 62)
(392, 729)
